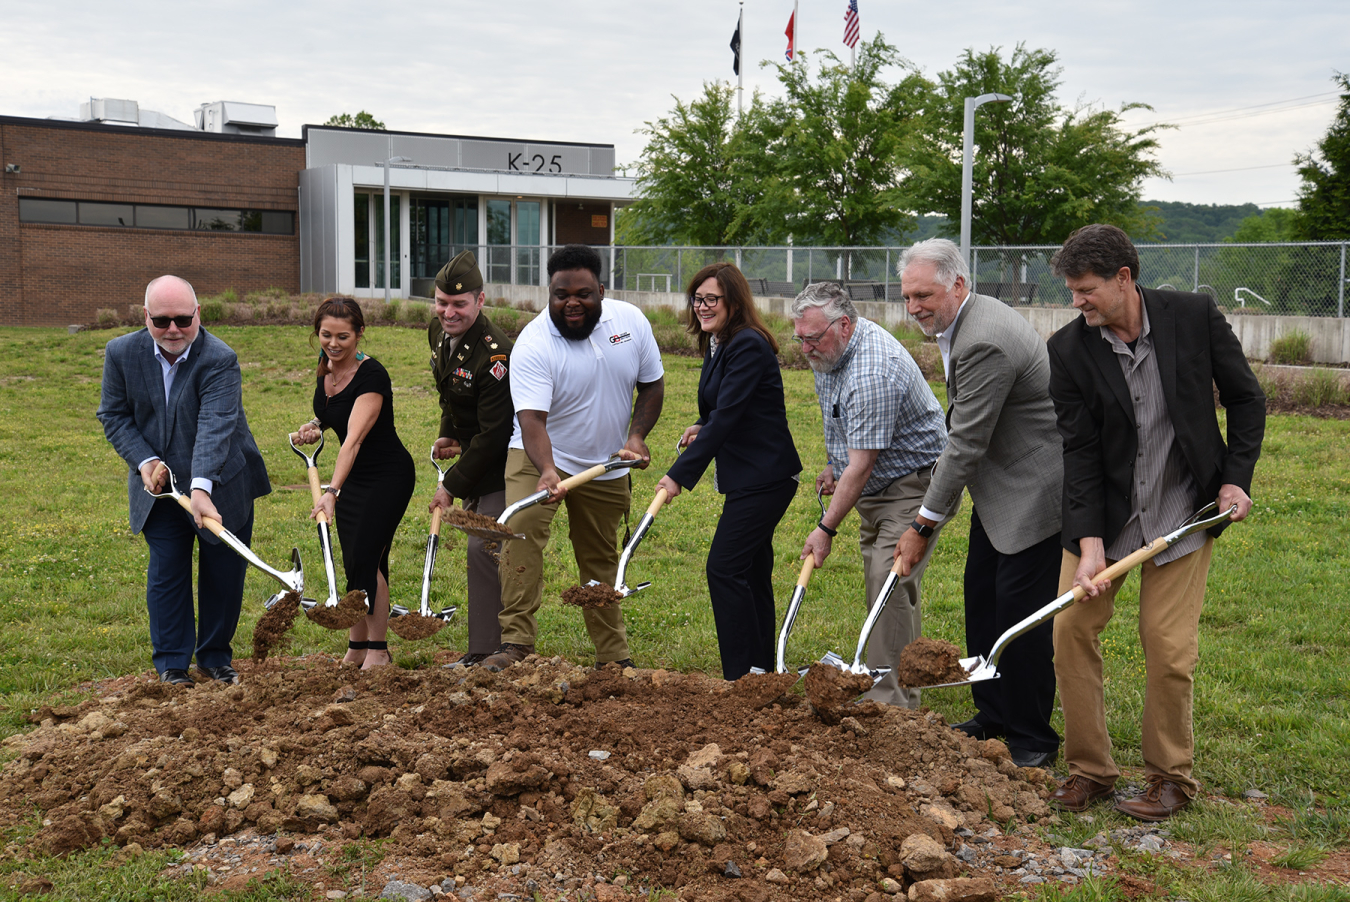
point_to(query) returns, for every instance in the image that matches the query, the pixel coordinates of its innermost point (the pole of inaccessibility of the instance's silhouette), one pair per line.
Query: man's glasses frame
(814, 340)
(182, 322)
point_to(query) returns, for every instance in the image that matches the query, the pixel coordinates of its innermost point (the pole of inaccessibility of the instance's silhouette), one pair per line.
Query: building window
(155, 216)
(361, 231)
(368, 222)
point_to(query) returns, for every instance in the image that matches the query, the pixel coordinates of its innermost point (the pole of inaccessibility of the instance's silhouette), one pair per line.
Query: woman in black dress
(742, 425)
(374, 474)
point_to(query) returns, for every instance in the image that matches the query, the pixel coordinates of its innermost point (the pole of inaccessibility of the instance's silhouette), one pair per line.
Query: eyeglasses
(815, 339)
(705, 300)
(182, 322)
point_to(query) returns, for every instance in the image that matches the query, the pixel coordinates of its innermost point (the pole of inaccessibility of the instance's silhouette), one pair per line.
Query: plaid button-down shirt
(876, 398)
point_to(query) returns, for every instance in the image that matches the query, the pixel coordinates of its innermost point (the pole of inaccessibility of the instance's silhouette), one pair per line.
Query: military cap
(460, 275)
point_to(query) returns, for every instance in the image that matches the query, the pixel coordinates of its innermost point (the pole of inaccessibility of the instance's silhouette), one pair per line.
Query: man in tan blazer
(1003, 447)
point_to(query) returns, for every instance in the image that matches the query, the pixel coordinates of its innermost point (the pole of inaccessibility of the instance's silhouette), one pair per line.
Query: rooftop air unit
(230, 118)
(111, 111)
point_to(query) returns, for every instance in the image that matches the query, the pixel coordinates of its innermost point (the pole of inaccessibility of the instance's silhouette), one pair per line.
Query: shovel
(293, 579)
(433, 543)
(877, 674)
(325, 541)
(643, 525)
(980, 668)
(571, 482)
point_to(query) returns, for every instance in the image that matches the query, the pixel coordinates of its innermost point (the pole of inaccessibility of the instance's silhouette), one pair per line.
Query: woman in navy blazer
(742, 425)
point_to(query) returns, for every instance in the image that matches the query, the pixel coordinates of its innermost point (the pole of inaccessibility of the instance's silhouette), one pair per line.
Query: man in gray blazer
(1003, 446)
(172, 393)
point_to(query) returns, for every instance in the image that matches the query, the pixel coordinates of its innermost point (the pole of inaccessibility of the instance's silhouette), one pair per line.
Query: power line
(1261, 109)
(1237, 169)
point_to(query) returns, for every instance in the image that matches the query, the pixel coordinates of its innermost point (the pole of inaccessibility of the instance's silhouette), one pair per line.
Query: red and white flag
(791, 33)
(851, 25)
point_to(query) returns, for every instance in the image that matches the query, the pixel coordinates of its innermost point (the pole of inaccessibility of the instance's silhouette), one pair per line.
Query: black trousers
(740, 576)
(1002, 589)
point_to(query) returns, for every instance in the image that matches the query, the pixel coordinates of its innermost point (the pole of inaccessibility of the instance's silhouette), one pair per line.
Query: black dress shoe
(176, 677)
(1028, 758)
(222, 674)
(624, 664)
(976, 730)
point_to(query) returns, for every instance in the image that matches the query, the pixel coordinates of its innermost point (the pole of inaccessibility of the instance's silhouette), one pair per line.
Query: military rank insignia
(498, 371)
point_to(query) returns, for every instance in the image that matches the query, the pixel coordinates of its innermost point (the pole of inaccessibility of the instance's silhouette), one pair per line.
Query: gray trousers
(885, 516)
(485, 587)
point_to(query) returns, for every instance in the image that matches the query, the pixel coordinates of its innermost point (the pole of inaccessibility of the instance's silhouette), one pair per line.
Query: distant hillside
(1183, 223)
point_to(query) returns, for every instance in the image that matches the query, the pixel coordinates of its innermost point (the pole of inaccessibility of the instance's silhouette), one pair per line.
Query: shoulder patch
(496, 357)
(498, 370)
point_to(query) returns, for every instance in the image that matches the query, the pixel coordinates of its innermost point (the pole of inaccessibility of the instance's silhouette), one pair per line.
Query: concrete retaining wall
(1330, 336)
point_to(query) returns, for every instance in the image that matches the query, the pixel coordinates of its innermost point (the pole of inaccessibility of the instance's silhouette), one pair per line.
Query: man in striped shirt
(1132, 381)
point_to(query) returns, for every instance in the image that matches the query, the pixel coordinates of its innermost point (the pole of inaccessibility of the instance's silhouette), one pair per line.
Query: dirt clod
(930, 662)
(347, 614)
(271, 631)
(600, 595)
(829, 689)
(414, 626)
(459, 517)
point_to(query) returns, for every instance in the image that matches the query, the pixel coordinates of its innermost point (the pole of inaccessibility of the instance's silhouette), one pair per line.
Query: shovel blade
(978, 670)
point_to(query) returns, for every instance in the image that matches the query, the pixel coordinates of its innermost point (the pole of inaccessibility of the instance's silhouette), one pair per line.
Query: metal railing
(1307, 278)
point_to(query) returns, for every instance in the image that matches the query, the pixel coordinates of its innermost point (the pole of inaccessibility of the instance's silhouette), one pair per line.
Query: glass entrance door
(513, 238)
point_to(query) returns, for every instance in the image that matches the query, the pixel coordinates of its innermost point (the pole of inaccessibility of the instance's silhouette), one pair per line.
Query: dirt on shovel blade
(829, 689)
(272, 628)
(601, 595)
(414, 626)
(460, 517)
(930, 662)
(345, 615)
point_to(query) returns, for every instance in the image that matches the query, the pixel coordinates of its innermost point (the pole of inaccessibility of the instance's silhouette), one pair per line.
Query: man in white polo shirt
(574, 371)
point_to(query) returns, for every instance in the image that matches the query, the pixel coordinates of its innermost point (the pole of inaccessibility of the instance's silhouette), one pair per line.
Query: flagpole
(740, 75)
(796, 30)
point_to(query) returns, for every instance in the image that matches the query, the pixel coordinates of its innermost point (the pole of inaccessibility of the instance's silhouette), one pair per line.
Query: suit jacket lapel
(1162, 330)
(1100, 352)
(181, 377)
(705, 374)
(973, 301)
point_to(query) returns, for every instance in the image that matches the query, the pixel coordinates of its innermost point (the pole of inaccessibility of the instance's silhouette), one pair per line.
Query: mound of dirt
(601, 595)
(930, 662)
(346, 614)
(515, 780)
(414, 626)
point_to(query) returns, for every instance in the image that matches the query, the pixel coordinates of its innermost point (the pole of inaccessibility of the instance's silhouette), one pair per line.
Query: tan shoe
(1161, 799)
(509, 653)
(1078, 793)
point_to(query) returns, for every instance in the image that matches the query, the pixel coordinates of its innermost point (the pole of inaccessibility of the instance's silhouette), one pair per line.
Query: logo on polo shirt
(620, 338)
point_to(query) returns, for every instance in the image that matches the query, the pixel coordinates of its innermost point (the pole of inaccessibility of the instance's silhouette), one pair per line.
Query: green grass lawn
(1271, 706)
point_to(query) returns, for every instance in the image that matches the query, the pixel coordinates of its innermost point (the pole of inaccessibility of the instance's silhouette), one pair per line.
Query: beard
(825, 362)
(577, 333)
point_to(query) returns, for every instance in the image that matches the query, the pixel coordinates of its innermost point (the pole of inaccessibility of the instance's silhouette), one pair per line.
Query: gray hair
(945, 256)
(830, 297)
(179, 279)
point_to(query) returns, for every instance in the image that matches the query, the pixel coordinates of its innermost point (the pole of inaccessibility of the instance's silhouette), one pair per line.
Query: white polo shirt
(585, 387)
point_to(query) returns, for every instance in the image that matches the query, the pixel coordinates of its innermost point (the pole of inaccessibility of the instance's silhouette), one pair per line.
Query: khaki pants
(885, 516)
(1170, 599)
(594, 511)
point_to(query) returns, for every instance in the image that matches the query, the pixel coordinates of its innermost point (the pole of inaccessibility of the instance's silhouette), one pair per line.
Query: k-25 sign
(519, 162)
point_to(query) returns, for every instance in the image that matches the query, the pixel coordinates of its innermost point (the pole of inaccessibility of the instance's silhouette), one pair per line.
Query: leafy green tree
(690, 180)
(829, 155)
(1040, 170)
(1324, 198)
(360, 120)
(1273, 224)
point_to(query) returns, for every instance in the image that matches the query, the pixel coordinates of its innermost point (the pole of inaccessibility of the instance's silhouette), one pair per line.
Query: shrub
(527, 306)
(389, 311)
(229, 296)
(213, 310)
(1319, 388)
(415, 312)
(1293, 348)
(107, 317)
(505, 318)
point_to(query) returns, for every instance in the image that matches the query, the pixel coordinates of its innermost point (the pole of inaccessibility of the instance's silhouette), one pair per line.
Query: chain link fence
(1307, 279)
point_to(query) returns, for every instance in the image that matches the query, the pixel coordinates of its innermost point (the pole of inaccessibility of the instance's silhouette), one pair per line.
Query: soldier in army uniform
(469, 360)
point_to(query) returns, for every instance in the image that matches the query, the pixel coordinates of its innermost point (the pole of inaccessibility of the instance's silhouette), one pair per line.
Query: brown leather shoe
(509, 653)
(1161, 799)
(1078, 793)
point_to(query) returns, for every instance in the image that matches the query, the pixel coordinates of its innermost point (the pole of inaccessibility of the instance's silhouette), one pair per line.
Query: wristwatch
(925, 531)
(337, 493)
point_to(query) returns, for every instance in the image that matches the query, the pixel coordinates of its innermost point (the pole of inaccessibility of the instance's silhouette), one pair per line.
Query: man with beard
(883, 432)
(469, 359)
(574, 371)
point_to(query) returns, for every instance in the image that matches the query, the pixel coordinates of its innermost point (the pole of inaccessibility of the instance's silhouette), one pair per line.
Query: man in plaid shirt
(884, 430)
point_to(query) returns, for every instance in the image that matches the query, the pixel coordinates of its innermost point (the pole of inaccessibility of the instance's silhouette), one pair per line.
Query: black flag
(736, 49)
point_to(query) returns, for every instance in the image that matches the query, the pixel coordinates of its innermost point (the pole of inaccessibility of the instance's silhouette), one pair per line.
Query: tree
(689, 181)
(829, 154)
(1272, 224)
(1040, 170)
(1324, 198)
(360, 120)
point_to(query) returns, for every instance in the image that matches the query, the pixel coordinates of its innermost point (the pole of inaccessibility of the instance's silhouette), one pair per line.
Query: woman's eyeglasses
(182, 322)
(705, 300)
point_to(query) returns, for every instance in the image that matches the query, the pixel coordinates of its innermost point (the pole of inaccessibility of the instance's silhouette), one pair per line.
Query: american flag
(851, 25)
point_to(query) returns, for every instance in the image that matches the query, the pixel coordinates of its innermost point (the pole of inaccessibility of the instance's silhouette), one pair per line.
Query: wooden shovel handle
(436, 520)
(316, 490)
(659, 500)
(582, 478)
(1123, 566)
(807, 566)
(215, 527)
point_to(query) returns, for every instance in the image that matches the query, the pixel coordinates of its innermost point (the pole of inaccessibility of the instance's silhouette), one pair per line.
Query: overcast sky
(595, 70)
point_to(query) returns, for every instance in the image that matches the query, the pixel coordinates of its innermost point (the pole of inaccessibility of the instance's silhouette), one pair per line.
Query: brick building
(90, 211)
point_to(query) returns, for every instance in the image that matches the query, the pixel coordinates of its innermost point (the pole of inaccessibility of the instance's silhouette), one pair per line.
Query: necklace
(340, 380)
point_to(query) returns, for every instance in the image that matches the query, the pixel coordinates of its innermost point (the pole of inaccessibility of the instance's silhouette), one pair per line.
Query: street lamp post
(968, 164)
(392, 160)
